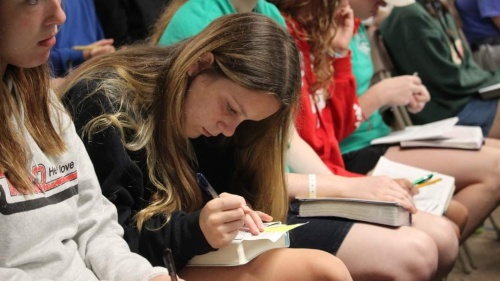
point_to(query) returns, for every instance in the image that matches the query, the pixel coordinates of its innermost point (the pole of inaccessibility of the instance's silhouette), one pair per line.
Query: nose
(56, 14)
(228, 127)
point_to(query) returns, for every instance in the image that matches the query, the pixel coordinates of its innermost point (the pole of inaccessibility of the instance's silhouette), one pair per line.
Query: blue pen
(206, 186)
(423, 179)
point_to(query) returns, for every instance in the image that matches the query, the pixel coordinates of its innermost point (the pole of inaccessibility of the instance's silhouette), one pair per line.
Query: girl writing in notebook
(152, 117)
(55, 223)
(329, 233)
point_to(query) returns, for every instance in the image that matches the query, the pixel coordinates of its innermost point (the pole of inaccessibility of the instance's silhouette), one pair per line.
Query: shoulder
(412, 18)
(270, 10)
(409, 14)
(192, 17)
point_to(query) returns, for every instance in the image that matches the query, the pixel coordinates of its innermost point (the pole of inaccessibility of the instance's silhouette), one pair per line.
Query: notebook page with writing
(433, 198)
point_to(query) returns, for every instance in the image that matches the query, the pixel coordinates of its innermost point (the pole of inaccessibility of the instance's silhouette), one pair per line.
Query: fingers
(220, 219)
(408, 186)
(264, 217)
(254, 223)
(232, 200)
(103, 42)
(422, 94)
(414, 190)
(401, 193)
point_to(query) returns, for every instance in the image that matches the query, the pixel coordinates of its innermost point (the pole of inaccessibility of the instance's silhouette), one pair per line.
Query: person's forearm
(326, 185)
(370, 101)
(301, 157)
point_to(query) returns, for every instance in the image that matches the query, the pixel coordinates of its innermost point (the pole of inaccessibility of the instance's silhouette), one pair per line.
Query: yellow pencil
(83, 48)
(429, 182)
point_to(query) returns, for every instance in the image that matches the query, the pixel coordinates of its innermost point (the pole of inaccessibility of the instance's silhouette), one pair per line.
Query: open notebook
(440, 134)
(418, 132)
(246, 246)
(433, 198)
(459, 137)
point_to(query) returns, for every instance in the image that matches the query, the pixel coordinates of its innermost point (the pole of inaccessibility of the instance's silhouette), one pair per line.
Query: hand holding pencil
(101, 47)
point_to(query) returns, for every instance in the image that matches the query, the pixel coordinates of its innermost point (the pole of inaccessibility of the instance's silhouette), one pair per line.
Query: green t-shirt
(362, 67)
(195, 15)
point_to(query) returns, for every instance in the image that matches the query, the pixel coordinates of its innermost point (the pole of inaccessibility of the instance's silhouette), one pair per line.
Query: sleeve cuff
(343, 66)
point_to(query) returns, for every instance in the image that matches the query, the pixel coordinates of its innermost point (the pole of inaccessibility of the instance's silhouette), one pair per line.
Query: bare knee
(418, 259)
(447, 244)
(301, 264)
(324, 266)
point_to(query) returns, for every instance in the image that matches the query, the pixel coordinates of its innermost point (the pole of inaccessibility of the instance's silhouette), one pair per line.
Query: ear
(205, 61)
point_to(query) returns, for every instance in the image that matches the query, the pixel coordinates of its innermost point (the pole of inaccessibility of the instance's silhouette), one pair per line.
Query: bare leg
(477, 176)
(372, 252)
(495, 127)
(458, 214)
(277, 265)
(443, 233)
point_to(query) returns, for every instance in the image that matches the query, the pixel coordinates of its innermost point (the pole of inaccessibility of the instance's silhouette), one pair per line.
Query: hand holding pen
(206, 186)
(419, 97)
(223, 216)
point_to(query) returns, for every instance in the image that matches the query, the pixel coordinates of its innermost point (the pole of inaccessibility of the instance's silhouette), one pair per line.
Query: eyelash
(34, 2)
(230, 109)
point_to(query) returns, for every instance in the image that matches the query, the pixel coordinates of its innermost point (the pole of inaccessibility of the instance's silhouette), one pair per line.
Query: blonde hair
(148, 84)
(318, 24)
(27, 103)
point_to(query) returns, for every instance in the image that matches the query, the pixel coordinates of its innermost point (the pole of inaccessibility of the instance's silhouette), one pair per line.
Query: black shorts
(321, 233)
(364, 160)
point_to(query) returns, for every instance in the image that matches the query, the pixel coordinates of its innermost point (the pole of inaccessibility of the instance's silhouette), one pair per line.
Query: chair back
(396, 116)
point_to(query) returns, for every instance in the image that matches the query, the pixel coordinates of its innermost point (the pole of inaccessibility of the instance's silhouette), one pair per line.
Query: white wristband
(312, 186)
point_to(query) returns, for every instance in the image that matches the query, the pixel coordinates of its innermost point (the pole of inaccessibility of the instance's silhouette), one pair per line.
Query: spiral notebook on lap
(245, 247)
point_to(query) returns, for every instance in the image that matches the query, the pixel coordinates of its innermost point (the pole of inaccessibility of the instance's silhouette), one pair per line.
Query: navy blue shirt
(476, 17)
(80, 28)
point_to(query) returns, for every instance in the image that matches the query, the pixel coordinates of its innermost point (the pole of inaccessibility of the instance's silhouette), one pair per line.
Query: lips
(49, 42)
(206, 133)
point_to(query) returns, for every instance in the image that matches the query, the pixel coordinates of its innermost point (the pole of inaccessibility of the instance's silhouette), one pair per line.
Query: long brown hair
(318, 24)
(26, 102)
(148, 85)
